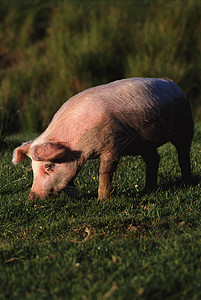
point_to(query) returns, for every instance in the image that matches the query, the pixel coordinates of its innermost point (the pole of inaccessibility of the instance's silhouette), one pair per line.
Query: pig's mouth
(51, 194)
(70, 191)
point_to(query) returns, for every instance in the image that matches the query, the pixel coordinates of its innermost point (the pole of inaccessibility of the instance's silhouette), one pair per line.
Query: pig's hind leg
(106, 170)
(182, 139)
(182, 142)
(184, 162)
(151, 159)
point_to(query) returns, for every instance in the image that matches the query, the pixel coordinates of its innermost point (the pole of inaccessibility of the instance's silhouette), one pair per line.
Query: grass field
(135, 246)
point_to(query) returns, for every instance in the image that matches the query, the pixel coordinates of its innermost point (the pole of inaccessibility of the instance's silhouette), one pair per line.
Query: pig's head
(53, 164)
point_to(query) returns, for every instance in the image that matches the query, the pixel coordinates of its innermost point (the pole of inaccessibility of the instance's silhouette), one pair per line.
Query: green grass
(135, 246)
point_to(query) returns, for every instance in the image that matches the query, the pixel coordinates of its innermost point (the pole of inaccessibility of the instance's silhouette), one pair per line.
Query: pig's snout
(32, 196)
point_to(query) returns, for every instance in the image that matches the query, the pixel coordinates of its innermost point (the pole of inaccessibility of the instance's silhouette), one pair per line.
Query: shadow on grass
(133, 194)
(178, 183)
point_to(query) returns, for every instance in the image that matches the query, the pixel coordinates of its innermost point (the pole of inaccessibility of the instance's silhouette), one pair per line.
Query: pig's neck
(69, 132)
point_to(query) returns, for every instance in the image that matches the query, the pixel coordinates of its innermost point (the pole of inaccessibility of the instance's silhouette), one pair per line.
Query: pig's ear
(20, 153)
(49, 151)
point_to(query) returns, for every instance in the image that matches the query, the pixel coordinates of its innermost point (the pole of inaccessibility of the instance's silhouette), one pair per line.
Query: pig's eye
(49, 168)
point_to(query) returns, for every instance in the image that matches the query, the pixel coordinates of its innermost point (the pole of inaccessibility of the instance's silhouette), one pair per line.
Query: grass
(135, 246)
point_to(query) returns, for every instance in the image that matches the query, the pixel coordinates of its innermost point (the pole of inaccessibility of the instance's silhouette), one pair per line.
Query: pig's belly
(132, 141)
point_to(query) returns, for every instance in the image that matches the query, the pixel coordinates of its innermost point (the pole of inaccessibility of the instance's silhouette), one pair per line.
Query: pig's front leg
(106, 169)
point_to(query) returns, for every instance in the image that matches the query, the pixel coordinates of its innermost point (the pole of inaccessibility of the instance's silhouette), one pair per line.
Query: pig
(131, 116)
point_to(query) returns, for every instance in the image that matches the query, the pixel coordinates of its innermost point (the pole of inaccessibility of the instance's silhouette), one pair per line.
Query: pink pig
(126, 117)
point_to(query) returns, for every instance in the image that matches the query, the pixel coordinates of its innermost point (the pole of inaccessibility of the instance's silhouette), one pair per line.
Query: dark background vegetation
(51, 50)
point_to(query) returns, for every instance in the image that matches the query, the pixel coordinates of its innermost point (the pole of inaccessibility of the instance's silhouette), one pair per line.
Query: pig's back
(137, 94)
(135, 101)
